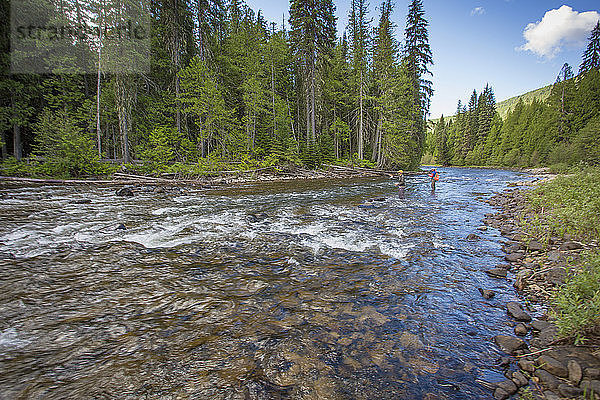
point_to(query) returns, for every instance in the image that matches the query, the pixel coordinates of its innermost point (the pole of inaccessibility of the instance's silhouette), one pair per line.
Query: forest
(562, 131)
(224, 88)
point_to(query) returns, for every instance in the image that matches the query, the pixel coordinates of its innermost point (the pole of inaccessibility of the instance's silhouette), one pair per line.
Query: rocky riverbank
(539, 364)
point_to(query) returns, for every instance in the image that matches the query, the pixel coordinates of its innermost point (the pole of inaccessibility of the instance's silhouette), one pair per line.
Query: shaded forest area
(225, 89)
(562, 130)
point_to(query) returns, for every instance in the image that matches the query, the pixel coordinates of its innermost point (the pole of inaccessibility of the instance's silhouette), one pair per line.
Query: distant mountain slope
(505, 106)
(540, 94)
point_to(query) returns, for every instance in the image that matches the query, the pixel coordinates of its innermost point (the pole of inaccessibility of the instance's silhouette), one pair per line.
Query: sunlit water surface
(302, 290)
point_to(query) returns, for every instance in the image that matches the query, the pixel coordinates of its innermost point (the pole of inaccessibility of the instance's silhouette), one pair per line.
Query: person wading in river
(435, 176)
(401, 184)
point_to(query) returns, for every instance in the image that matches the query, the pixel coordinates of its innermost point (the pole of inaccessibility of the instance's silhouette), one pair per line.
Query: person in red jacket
(435, 176)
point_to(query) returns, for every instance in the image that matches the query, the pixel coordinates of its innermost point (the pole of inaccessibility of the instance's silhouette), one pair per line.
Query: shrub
(571, 203)
(67, 149)
(577, 304)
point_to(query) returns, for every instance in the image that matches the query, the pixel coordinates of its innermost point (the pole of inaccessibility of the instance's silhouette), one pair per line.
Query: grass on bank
(570, 204)
(577, 305)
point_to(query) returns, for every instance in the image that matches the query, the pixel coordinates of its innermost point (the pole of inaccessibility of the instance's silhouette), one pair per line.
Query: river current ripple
(300, 290)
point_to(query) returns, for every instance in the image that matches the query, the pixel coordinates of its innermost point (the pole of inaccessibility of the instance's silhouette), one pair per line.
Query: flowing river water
(300, 290)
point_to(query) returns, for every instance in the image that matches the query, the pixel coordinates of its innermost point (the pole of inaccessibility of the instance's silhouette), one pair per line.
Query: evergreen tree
(359, 45)
(441, 142)
(418, 56)
(591, 57)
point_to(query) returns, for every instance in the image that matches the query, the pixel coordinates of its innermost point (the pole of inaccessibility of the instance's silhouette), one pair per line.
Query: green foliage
(67, 149)
(12, 167)
(571, 203)
(577, 305)
(226, 88)
(164, 146)
(562, 130)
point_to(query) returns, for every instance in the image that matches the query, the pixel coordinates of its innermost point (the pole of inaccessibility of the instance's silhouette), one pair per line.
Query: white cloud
(477, 11)
(558, 28)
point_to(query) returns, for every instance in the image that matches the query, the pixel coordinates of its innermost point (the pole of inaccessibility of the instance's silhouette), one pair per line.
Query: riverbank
(549, 257)
(217, 178)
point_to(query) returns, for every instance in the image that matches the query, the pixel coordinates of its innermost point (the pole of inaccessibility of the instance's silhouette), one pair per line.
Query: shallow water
(302, 290)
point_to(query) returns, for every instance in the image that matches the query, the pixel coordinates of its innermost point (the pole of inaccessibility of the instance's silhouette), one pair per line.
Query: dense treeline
(563, 129)
(227, 87)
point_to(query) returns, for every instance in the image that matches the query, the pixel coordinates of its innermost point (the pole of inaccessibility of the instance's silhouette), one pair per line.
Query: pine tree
(441, 142)
(359, 45)
(472, 121)
(591, 57)
(562, 98)
(312, 29)
(418, 56)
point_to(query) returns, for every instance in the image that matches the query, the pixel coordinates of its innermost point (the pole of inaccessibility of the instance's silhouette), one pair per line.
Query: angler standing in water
(435, 176)
(401, 184)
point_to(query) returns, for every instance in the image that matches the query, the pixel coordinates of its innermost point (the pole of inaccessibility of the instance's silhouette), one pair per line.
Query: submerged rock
(124, 192)
(497, 273)
(487, 294)
(410, 341)
(473, 237)
(254, 218)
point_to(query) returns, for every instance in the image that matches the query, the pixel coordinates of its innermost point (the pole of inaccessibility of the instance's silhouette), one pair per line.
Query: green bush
(12, 167)
(577, 305)
(66, 148)
(571, 203)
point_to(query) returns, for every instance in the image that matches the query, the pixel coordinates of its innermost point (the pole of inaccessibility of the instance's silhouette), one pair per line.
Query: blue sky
(479, 42)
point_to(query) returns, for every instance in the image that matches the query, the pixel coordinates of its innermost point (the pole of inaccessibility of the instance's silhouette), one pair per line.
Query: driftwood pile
(218, 177)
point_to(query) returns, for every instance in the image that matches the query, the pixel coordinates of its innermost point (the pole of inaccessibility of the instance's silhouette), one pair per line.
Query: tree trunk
(273, 98)
(377, 140)
(312, 106)
(361, 122)
(98, 93)
(17, 145)
(17, 149)
(123, 104)
(307, 116)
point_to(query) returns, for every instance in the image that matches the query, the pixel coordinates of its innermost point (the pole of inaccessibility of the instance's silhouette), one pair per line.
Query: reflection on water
(302, 290)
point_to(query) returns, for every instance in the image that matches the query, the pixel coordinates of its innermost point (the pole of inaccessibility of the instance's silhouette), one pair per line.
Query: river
(300, 290)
